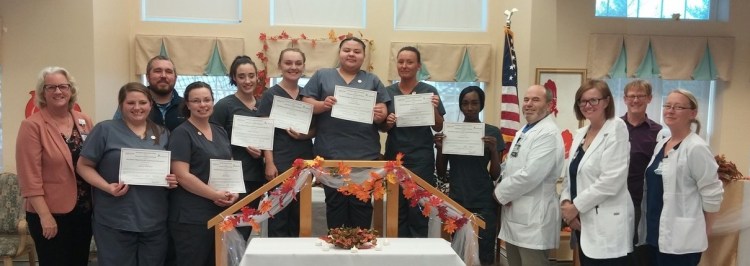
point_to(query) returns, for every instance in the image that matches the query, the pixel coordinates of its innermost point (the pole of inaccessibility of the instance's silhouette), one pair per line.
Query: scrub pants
(346, 211)
(119, 247)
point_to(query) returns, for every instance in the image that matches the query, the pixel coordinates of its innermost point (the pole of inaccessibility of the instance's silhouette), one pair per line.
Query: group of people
(69, 169)
(623, 173)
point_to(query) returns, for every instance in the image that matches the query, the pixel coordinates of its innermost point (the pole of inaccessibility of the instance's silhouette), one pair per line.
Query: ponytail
(697, 125)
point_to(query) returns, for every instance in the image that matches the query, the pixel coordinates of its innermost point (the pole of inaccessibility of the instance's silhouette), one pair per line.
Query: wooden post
(221, 256)
(305, 210)
(391, 209)
(377, 217)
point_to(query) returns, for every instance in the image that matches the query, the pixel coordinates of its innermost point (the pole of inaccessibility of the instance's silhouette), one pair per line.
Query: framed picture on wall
(564, 82)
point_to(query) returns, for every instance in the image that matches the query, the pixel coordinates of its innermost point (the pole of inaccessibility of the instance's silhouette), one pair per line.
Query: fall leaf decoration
(347, 237)
(727, 170)
(374, 187)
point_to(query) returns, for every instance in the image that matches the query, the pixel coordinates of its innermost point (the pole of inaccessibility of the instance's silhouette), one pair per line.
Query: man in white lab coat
(530, 220)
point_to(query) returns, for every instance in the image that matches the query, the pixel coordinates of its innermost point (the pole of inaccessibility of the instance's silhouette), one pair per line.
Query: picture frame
(564, 82)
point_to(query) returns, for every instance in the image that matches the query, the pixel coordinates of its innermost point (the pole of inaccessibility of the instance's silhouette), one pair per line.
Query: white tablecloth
(303, 251)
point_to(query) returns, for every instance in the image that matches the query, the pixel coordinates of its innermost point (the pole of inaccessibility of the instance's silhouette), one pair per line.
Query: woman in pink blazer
(58, 201)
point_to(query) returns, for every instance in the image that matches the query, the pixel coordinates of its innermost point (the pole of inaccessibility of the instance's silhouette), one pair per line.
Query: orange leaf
(399, 156)
(391, 178)
(344, 169)
(367, 185)
(409, 191)
(226, 226)
(332, 36)
(426, 210)
(256, 226)
(363, 195)
(265, 206)
(449, 225)
(378, 192)
(435, 201)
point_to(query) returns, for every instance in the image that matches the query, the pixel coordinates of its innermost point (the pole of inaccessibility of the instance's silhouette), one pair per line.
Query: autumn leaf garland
(374, 187)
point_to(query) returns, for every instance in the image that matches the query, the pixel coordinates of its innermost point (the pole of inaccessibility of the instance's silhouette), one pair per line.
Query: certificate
(251, 131)
(353, 104)
(144, 167)
(414, 110)
(226, 175)
(463, 138)
(287, 113)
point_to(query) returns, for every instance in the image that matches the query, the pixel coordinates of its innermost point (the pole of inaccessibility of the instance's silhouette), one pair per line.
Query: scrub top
(416, 143)
(189, 145)
(142, 208)
(471, 183)
(342, 139)
(285, 148)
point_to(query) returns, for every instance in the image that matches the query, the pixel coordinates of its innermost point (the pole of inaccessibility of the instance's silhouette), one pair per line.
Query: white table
(303, 251)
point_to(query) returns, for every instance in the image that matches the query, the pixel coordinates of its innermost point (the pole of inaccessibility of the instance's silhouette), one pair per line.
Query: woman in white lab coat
(682, 189)
(595, 201)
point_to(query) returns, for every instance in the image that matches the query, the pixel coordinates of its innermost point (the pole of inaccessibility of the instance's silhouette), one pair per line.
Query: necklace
(64, 126)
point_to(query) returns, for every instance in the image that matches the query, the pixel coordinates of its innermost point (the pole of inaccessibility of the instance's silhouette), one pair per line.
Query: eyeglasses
(199, 101)
(675, 107)
(636, 97)
(52, 88)
(592, 102)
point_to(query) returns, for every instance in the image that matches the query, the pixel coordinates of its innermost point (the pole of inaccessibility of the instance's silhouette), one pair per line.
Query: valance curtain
(318, 54)
(666, 57)
(191, 55)
(448, 62)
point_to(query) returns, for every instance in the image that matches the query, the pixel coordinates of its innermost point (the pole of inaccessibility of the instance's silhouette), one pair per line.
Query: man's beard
(160, 92)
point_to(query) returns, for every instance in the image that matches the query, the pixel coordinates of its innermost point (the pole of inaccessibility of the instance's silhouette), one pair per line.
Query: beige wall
(40, 34)
(94, 40)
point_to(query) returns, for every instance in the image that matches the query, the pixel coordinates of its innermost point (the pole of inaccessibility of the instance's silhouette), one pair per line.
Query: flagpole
(510, 117)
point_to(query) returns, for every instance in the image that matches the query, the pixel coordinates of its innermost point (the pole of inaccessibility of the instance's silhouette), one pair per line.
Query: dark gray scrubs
(345, 140)
(285, 150)
(417, 144)
(472, 187)
(188, 212)
(130, 229)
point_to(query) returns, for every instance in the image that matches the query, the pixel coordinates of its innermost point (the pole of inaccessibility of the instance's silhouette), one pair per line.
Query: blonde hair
(693, 105)
(41, 102)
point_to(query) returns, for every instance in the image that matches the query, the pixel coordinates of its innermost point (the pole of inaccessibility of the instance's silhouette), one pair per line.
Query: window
(192, 11)
(704, 91)
(320, 13)
(440, 15)
(219, 84)
(660, 9)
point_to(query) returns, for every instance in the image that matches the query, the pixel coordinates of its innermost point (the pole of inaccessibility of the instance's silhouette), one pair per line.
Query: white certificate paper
(251, 131)
(414, 110)
(144, 167)
(353, 104)
(287, 113)
(226, 175)
(463, 138)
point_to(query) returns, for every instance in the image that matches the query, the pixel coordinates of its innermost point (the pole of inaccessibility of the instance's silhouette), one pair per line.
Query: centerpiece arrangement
(347, 238)
(727, 169)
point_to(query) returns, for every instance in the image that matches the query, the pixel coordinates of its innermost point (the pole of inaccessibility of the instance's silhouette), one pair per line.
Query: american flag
(510, 116)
